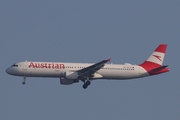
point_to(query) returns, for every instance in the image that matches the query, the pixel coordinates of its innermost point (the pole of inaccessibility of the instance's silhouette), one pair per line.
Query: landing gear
(24, 80)
(86, 84)
(23, 83)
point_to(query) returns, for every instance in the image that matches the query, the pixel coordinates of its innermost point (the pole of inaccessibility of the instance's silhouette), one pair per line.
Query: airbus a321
(70, 73)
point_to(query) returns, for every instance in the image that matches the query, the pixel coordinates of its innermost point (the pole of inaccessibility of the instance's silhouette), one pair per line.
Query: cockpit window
(14, 65)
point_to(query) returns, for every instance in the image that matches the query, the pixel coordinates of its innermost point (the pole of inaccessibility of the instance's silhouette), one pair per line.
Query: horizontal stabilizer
(158, 70)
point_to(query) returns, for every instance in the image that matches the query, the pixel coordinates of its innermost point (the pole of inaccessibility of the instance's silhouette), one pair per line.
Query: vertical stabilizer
(156, 59)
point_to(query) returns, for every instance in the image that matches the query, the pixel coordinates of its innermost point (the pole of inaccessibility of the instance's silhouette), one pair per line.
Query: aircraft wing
(89, 71)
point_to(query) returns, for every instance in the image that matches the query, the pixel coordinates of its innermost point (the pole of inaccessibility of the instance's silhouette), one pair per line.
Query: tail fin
(156, 59)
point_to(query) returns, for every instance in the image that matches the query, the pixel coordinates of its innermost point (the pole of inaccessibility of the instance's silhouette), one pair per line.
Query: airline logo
(158, 57)
(46, 65)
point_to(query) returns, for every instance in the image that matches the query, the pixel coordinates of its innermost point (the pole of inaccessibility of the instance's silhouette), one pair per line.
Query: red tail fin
(156, 59)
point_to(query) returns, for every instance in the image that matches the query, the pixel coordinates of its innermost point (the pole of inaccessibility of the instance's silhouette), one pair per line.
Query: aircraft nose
(8, 71)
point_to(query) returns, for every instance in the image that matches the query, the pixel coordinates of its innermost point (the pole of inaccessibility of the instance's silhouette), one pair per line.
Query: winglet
(109, 60)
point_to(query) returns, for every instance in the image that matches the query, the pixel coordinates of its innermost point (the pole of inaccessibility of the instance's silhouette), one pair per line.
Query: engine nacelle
(71, 75)
(69, 78)
(64, 81)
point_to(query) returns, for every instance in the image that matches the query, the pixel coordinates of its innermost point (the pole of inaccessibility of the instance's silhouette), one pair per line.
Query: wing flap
(88, 71)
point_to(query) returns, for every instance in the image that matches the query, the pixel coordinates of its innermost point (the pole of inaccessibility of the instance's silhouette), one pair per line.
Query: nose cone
(8, 71)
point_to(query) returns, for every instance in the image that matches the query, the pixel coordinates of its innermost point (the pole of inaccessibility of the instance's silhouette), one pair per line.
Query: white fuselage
(70, 73)
(57, 70)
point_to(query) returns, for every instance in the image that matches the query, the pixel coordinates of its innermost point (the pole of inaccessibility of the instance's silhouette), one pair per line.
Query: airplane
(70, 73)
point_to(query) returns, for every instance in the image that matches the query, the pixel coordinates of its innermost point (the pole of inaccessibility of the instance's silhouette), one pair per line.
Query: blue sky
(89, 31)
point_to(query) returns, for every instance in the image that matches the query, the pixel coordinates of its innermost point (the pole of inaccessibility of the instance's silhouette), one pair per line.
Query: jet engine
(71, 75)
(64, 81)
(69, 78)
